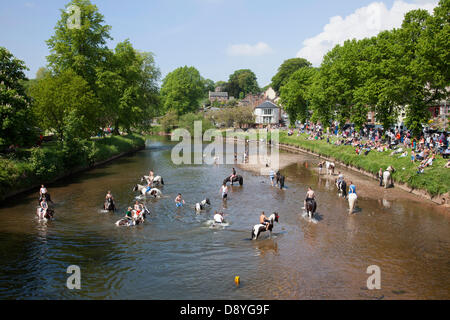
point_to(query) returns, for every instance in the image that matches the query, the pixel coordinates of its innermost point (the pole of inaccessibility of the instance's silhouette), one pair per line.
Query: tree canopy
(286, 70)
(241, 83)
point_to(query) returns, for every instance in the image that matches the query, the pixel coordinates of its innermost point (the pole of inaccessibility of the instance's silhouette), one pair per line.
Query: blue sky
(215, 36)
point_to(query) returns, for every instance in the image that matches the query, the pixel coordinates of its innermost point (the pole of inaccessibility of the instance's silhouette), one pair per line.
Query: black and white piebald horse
(311, 207)
(279, 179)
(154, 192)
(109, 205)
(259, 228)
(202, 205)
(237, 178)
(387, 177)
(157, 181)
(133, 221)
(341, 185)
(45, 214)
(330, 167)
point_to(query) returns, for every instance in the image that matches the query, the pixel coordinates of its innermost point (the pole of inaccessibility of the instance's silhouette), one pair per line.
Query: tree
(127, 87)
(16, 122)
(286, 70)
(295, 95)
(209, 86)
(241, 83)
(81, 49)
(60, 98)
(182, 90)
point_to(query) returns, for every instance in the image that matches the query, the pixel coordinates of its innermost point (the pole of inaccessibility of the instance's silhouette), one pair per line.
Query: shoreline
(71, 172)
(439, 200)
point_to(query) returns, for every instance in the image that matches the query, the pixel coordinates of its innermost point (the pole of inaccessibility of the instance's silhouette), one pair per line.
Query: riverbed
(176, 254)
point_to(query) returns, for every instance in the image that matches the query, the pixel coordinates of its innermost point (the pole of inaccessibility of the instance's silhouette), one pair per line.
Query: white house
(267, 113)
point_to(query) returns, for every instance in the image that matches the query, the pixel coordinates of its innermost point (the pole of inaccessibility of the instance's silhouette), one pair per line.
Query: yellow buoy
(237, 280)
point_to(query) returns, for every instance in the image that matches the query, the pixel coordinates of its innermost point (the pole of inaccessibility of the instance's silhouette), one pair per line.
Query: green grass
(435, 180)
(31, 167)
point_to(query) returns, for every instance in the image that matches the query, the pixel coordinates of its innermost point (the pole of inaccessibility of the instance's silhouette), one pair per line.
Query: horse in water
(156, 193)
(330, 167)
(237, 178)
(259, 228)
(202, 205)
(352, 197)
(279, 179)
(45, 215)
(387, 177)
(342, 188)
(157, 181)
(311, 207)
(109, 205)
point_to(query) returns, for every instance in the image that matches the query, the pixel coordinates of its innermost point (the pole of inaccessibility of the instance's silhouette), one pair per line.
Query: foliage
(286, 70)
(241, 83)
(182, 90)
(16, 121)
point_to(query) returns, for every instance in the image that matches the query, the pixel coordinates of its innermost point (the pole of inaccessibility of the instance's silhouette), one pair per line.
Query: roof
(267, 105)
(218, 94)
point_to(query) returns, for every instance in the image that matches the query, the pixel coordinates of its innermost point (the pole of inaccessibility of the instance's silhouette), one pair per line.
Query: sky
(215, 36)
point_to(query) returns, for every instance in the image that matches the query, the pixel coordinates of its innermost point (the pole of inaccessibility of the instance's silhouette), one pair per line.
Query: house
(267, 113)
(218, 96)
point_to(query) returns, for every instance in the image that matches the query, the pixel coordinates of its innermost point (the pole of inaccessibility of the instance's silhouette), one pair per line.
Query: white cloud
(258, 49)
(364, 22)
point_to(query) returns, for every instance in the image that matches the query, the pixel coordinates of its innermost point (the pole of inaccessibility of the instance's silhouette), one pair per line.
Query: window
(267, 111)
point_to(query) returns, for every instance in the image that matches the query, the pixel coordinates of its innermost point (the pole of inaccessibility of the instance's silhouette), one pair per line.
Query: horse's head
(275, 217)
(207, 201)
(143, 179)
(135, 188)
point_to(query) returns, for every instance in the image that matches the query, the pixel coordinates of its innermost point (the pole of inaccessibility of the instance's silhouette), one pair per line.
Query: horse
(45, 215)
(156, 193)
(259, 228)
(342, 188)
(202, 205)
(130, 222)
(330, 167)
(311, 207)
(387, 177)
(352, 197)
(237, 178)
(46, 196)
(279, 180)
(109, 205)
(157, 181)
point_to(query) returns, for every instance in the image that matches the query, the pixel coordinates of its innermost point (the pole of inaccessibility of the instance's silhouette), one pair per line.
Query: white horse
(387, 177)
(202, 205)
(352, 197)
(259, 228)
(330, 167)
(44, 214)
(157, 181)
(156, 193)
(135, 220)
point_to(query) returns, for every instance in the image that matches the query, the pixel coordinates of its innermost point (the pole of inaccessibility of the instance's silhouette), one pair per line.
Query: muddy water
(177, 255)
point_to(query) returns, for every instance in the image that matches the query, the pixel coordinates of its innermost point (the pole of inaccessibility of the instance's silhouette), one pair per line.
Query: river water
(177, 255)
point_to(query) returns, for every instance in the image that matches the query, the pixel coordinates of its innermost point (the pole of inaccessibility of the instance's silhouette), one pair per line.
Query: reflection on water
(176, 254)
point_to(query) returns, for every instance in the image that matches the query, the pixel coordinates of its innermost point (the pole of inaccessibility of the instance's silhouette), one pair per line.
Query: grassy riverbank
(435, 180)
(29, 167)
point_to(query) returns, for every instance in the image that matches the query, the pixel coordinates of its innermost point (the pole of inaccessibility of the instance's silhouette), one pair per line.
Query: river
(177, 255)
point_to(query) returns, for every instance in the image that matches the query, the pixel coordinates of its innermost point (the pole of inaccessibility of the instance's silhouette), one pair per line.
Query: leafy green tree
(16, 122)
(81, 49)
(182, 90)
(57, 97)
(209, 86)
(127, 87)
(295, 96)
(286, 70)
(241, 83)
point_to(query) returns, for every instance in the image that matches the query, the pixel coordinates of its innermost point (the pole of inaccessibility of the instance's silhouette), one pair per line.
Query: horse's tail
(241, 180)
(162, 181)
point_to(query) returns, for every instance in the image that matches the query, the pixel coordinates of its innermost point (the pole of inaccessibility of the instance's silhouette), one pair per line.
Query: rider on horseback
(310, 196)
(264, 221)
(233, 175)
(44, 207)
